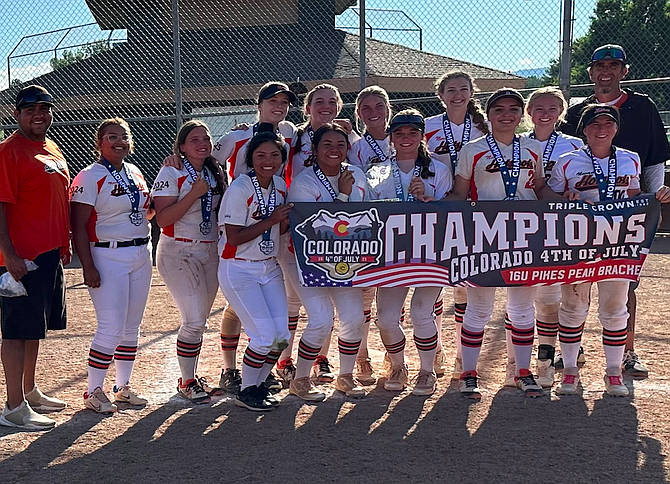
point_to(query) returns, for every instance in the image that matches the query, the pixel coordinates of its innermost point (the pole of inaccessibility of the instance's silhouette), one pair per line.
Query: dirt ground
(386, 437)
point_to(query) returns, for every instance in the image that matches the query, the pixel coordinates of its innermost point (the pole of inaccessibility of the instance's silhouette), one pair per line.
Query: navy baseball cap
(33, 95)
(403, 119)
(271, 89)
(609, 52)
(505, 92)
(594, 111)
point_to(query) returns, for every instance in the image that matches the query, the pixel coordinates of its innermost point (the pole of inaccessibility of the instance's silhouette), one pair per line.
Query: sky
(505, 34)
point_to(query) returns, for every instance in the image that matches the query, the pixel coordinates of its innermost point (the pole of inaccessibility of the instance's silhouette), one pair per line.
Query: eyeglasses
(609, 53)
(113, 138)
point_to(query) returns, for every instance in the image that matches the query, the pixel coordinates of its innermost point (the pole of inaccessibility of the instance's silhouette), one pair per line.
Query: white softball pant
(480, 307)
(189, 271)
(612, 299)
(391, 300)
(289, 268)
(547, 303)
(119, 302)
(255, 290)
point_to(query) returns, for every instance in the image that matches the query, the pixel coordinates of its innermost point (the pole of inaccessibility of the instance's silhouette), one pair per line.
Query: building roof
(231, 64)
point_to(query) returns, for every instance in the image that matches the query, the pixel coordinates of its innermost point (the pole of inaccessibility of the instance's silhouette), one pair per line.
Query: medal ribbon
(605, 187)
(266, 209)
(130, 188)
(511, 180)
(449, 136)
(326, 182)
(375, 147)
(207, 198)
(549, 148)
(399, 192)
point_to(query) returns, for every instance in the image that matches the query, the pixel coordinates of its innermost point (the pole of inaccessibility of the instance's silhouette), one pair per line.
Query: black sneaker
(230, 381)
(272, 384)
(558, 359)
(249, 399)
(264, 394)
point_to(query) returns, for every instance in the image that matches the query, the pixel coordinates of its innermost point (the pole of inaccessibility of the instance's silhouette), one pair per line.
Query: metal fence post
(361, 44)
(566, 48)
(177, 62)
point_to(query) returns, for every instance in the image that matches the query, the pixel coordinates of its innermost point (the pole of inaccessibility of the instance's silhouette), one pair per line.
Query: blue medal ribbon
(266, 245)
(326, 182)
(136, 217)
(399, 192)
(549, 147)
(449, 136)
(510, 179)
(375, 147)
(206, 200)
(607, 187)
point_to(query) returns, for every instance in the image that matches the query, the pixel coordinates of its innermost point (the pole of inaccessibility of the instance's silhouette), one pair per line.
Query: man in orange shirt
(34, 225)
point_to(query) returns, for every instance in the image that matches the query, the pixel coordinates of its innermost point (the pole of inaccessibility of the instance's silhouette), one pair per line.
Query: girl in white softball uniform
(110, 227)
(500, 166)
(329, 180)
(546, 108)
(446, 133)
(598, 171)
(321, 106)
(187, 202)
(252, 216)
(410, 174)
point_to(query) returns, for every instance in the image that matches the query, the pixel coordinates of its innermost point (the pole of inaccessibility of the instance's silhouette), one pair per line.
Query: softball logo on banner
(340, 244)
(510, 243)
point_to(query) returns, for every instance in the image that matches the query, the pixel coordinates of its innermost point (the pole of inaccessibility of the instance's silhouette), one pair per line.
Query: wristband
(343, 197)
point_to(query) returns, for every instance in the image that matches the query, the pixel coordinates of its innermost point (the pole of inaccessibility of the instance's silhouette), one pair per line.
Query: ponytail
(475, 111)
(423, 160)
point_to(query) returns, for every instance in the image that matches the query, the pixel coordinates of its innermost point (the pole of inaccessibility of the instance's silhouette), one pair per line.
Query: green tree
(84, 52)
(642, 27)
(15, 83)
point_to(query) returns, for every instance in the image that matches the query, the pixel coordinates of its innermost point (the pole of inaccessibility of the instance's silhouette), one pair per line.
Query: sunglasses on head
(36, 98)
(609, 53)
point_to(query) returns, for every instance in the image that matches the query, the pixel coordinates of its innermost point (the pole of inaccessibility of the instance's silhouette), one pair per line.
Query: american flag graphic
(311, 279)
(414, 275)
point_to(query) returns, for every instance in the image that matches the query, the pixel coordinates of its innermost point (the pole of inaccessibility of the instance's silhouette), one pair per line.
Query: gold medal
(342, 268)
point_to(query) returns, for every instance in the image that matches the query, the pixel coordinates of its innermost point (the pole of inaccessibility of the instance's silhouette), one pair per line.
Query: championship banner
(501, 243)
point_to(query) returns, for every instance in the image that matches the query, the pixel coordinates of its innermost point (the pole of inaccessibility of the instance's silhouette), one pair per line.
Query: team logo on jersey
(118, 190)
(51, 164)
(342, 244)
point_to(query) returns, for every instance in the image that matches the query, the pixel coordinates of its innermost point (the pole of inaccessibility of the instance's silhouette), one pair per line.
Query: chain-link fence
(159, 62)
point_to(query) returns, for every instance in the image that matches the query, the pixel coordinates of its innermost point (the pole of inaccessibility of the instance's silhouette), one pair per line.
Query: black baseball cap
(505, 92)
(609, 52)
(33, 95)
(271, 89)
(404, 119)
(594, 111)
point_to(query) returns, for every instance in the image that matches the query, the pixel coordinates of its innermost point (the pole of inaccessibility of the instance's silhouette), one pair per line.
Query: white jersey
(436, 139)
(110, 218)
(231, 149)
(239, 206)
(382, 183)
(564, 144)
(304, 157)
(574, 172)
(172, 182)
(363, 156)
(307, 187)
(477, 164)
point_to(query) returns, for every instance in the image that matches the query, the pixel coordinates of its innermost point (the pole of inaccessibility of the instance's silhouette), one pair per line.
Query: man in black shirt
(642, 131)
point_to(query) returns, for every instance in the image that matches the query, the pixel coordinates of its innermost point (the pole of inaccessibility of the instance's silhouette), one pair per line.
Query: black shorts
(29, 317)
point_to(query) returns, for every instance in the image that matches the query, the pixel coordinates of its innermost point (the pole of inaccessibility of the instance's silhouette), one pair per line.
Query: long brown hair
(423, 157)
(210, 162)
(474, 108)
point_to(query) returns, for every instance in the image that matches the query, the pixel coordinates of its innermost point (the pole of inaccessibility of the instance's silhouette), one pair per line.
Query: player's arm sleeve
(9, 180)
(465, 162)
(360, 185)
(166, 183)
(444, 180)
(233, 209)
(302, 191)
(653, 177)
(557, 181)
(84, 189)
(223, 149)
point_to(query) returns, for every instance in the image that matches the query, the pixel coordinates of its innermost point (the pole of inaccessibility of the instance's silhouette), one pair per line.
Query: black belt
(124, 243)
